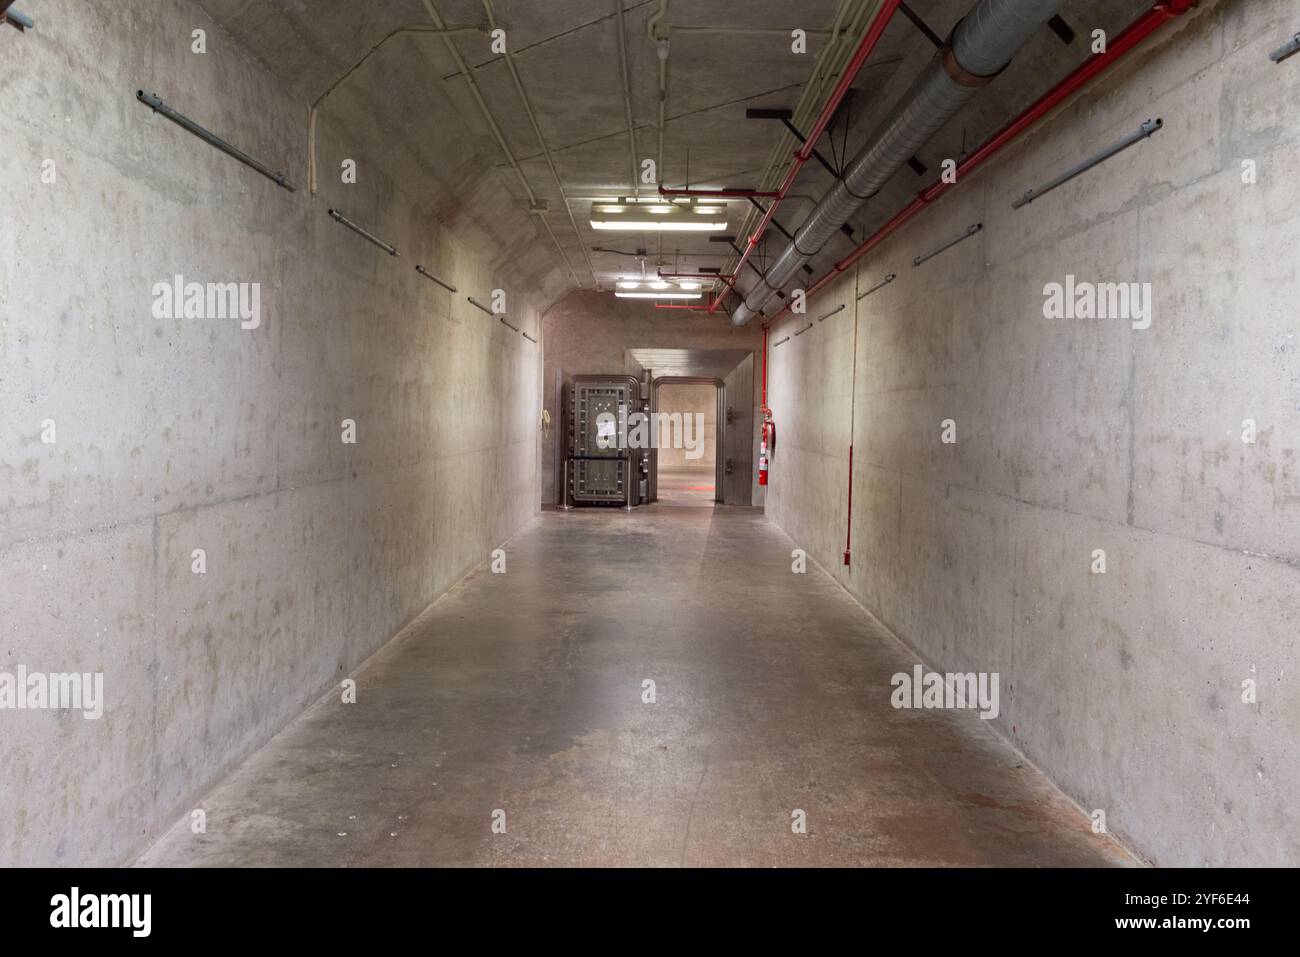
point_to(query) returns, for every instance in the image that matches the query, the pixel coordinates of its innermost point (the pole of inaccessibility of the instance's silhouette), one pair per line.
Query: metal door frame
(720, 431)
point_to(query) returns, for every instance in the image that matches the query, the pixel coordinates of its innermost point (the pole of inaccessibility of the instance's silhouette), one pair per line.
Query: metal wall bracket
(921, 25)
(1292, 46)
(970, 231)
(155, 103)
(1141, 133)
(763, 209)
(1061, 28)
(785, 117)
(343, 220)
(15, 18)
(880, 285)
(428, 275)
(475, 302)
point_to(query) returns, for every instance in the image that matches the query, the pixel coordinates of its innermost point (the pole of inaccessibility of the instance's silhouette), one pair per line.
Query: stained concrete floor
(691, 487)
(522, 692)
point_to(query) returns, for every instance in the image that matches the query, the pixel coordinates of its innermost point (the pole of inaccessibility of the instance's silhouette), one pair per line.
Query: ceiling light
(639, 225)
(627, 285)
(658, 295)
(660, 284)
(659, 217)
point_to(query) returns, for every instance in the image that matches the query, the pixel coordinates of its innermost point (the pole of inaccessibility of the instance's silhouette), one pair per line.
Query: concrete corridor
(307, 308)
(522, 692)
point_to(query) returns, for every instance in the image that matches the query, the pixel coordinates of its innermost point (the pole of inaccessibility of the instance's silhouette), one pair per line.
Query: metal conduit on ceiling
(982, 45)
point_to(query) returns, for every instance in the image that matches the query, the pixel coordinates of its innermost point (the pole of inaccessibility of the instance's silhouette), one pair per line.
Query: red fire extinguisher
(768, 445)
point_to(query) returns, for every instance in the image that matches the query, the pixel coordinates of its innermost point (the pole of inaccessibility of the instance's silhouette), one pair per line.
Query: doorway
(687, 461)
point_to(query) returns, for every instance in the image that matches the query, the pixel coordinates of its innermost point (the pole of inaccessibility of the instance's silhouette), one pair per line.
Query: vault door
(602, 470)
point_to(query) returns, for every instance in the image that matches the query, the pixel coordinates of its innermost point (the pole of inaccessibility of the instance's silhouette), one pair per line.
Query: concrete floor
(523, 692)
(691, 487)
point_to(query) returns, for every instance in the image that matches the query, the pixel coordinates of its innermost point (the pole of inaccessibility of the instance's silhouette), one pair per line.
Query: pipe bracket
(959, 74)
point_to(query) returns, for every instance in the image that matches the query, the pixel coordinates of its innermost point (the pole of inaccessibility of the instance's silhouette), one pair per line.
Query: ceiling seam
(651, 126)
(496, 131)
(627, 96)
(546, 150)
(550, 39)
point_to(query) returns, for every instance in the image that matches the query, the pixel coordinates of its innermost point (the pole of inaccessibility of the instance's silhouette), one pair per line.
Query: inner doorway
(687, 467)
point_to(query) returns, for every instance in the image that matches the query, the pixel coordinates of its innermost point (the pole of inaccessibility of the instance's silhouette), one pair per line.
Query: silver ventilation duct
(982, 45)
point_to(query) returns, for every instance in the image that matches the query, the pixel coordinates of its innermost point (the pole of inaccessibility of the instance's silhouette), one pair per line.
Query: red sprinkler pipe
(1131, 36)
(676, 306)
(802, 155)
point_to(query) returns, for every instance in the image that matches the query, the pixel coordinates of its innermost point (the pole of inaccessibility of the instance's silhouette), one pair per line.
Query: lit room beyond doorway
(687, 469)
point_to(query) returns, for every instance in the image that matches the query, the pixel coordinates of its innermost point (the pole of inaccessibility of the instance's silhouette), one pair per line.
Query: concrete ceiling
(566, 52)
(689, 362)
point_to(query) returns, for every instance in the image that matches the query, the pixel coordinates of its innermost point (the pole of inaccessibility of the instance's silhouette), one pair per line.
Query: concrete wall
(594, 333)
(176, 435)
(1073, 435)
(686, 399)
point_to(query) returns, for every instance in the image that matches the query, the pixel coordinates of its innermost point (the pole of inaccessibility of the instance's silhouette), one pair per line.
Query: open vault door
(733, 374)
(667, 433)
(597, 466)
(737, 486)
(588, 473)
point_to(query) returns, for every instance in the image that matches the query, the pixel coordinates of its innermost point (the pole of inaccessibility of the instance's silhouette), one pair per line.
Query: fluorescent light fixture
(628, 285)
(659, 284)
(653, 225)
(633, 214)
(658, 295)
